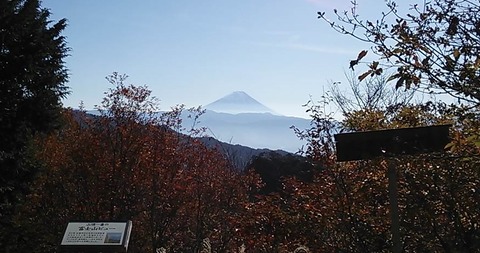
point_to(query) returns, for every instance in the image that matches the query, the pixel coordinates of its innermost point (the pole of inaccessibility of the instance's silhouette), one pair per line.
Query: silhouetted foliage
(435, 44)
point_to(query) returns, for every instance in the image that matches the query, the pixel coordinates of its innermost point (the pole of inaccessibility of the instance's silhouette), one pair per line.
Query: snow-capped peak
(238, 102)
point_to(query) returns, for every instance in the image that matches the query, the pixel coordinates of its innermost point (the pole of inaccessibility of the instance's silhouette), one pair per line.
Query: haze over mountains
(237, 118)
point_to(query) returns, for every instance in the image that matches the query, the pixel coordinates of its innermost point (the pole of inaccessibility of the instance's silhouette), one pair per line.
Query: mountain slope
(255, 130)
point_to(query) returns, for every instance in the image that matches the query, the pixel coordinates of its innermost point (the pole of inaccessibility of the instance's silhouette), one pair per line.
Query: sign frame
(391, 142)
(96, 236)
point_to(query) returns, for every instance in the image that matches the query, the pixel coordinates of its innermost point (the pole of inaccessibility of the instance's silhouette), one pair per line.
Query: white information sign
(96, 233)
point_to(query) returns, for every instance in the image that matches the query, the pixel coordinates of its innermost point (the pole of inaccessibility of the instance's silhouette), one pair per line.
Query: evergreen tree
(32, 84)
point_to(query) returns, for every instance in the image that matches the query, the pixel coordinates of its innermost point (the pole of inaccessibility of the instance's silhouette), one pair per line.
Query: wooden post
(394, 213)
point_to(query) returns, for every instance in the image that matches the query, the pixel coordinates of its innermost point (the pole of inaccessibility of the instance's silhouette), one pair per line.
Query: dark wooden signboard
(403, 141)
(96, 236)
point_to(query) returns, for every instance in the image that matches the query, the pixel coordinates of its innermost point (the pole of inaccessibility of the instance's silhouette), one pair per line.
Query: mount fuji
(239, 119)
(238, 102)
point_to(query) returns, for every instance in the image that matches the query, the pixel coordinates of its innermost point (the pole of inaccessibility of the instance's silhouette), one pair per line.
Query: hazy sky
(193, 52)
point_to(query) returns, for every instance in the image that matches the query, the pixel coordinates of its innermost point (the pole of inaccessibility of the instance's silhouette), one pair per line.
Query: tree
(32, 84)
(435, 45)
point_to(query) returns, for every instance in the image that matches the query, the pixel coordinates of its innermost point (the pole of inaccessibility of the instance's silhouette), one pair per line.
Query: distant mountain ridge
(238, 102)
(239, 156)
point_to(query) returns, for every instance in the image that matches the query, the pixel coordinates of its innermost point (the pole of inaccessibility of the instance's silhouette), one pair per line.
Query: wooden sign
(96, 236)
(403, 141)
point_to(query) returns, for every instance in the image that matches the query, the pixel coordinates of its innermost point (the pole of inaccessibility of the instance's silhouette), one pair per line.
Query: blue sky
(193, 52)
